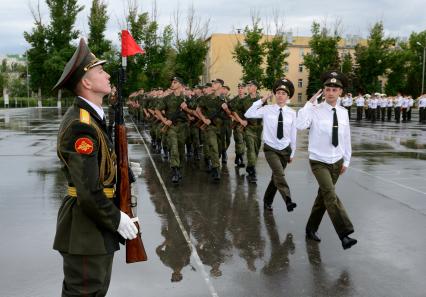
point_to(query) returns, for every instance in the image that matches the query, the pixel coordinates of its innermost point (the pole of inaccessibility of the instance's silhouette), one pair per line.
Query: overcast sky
(400, 18)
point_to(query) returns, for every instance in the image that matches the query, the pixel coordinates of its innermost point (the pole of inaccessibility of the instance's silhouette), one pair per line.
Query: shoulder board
(84, 116)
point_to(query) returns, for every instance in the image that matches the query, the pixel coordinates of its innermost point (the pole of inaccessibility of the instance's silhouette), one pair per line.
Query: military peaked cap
(82, 60)
(334, 79)
(285, 85)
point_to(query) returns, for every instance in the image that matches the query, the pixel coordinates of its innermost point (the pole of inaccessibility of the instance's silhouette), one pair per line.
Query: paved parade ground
(217, 235)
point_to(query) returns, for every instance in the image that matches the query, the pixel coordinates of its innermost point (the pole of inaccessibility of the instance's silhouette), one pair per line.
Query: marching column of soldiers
(381, 108)
(191, 123)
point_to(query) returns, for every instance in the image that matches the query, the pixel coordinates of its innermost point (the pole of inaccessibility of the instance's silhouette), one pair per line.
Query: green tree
(373, 60)
(37, 54)
(60, 34)
(324, 56)
(250, 53)
(399, 63)
(276, 55)
(98, 20)
(414, 75)
(190, 58)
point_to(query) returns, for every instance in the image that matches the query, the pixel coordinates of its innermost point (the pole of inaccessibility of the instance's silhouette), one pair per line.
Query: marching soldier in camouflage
(175, 122)
(194, 131)
(226, 128)
(234, 106)
(212, 114)
(252, 131)
(207, 92)
(88, 219)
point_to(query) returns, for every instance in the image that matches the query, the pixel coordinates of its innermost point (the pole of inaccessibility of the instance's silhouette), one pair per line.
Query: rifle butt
(135, 250)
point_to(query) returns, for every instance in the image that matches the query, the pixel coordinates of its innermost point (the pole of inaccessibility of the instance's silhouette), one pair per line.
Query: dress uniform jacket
(87, 219)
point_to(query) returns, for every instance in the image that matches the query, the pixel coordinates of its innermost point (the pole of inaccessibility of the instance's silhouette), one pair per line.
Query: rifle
(135, 251)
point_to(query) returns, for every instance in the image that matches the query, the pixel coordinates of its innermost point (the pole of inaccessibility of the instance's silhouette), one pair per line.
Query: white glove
(136, 168)
(127, 228)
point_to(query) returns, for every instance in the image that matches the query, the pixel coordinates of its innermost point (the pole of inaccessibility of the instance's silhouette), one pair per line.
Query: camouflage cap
(218, 80)
(253, 82)
(81, 61)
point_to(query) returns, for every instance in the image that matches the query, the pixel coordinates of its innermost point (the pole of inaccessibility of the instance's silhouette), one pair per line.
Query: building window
(299, 97)
(301, 52)
(300, 67)
(300, 83)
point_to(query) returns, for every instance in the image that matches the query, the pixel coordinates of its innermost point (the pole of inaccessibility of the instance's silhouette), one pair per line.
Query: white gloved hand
(127, 228)
(136, 168)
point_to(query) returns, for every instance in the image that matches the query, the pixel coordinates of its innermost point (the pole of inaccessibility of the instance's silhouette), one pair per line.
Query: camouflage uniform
(177, 133)
(211, 108)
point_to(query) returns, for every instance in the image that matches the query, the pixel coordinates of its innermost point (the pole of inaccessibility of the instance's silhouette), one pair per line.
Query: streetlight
(28, 80)
(423, 73)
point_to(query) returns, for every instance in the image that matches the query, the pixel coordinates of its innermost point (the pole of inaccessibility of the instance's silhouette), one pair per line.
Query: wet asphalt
(214, 239)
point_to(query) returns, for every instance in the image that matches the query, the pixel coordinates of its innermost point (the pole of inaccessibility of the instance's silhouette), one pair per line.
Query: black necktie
(280, 133)
(335, 136)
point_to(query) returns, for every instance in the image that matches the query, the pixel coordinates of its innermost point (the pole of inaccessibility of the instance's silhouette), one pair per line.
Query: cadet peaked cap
(81, 61)
(218, 80)
(253, 82)
(228, 88)
(334, 79)
(285, 85)
(241, 84)
(208, 85)
(178, 79)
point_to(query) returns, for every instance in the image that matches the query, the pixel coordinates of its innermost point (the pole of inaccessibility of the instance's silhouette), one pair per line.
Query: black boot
(179, 173)
(208, 165)
(290, 204)
(252, 174)
(175, 175)
(348, 242)
(197, 154)
(224, 157)
(216, 174)
(189, 151)
(242, 165)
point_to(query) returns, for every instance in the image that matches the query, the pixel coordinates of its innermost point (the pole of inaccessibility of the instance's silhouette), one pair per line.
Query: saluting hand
(266, 97)
(314, 98)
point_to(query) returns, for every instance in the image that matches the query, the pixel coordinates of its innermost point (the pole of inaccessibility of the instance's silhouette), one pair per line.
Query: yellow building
(219, 62)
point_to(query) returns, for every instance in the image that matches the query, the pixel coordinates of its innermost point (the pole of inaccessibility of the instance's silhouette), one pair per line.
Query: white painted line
(388, 181)
(182, 228)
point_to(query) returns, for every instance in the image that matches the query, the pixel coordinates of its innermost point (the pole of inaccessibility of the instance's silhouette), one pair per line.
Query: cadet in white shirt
(422, 109)
(410, 107)
(359, 101)
(404, 108)
(398, 105)
(329, 155)
(279, 137)
(373, 108)
(389, 106)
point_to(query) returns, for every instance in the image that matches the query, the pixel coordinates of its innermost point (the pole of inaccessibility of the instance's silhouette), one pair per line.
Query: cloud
(400, 18)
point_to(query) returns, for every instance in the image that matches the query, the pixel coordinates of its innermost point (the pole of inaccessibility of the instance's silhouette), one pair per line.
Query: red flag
(129, 47)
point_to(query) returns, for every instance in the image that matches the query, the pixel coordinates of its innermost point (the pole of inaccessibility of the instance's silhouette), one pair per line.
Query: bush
(32, 102)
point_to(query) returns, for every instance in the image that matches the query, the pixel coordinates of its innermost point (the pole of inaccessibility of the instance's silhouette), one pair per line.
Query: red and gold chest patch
(84, 145)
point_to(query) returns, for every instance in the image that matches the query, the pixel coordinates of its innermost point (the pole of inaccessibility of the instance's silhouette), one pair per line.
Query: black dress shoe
(312, 235)
(290, 206)
(348, 242)
(267, 207)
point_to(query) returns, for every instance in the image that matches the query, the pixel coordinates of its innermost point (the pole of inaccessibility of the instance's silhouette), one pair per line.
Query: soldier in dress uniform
(398, 105)
(88, 219)
(329, 155)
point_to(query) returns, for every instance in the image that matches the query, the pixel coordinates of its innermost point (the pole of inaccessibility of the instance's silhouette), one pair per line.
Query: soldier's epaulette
(84, 116)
